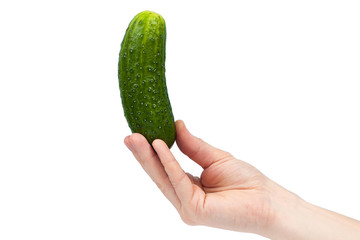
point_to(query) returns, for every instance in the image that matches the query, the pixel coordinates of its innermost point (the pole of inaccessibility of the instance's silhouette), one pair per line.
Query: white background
(276, 83)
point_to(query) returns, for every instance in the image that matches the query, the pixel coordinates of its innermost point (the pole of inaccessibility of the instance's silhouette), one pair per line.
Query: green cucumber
(142, 83)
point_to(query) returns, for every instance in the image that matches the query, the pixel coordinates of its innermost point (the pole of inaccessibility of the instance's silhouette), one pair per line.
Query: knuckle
(188, 217)
(188, 220)
(200, 139)
(142, 162)
(177, 180)
(224, 155)
(160, 186)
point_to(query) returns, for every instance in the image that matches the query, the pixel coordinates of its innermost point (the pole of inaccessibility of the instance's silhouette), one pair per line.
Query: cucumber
(142, 83)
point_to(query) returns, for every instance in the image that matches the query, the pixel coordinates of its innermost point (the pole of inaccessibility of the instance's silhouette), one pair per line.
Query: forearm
(297, 219)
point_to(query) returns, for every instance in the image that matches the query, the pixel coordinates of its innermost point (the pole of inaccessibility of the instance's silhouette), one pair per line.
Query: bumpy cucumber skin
(142, 83)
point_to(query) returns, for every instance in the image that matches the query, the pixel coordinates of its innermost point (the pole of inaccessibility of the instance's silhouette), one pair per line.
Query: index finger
(149, 161)
(178, 178)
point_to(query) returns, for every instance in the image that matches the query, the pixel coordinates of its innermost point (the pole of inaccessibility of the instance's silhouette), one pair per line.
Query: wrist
(290, 215)
(296, 219)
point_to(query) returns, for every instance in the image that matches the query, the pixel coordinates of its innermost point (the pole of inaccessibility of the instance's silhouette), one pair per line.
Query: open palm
(230, 193)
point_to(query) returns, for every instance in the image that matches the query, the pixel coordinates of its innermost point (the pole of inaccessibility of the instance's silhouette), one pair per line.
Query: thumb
(195, 148)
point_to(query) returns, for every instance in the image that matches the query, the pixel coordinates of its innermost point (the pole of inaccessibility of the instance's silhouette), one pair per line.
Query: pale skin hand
(231, 194)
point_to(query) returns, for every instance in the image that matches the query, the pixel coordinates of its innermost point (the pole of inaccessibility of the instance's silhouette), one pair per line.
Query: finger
(195, 180)
(201, 152)
(150, 162)
(178, 178)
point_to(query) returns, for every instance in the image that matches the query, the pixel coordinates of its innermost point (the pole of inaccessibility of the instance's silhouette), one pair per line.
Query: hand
(230, 193)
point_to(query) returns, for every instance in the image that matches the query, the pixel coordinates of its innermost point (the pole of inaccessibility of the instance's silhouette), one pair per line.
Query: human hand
(230, 193)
